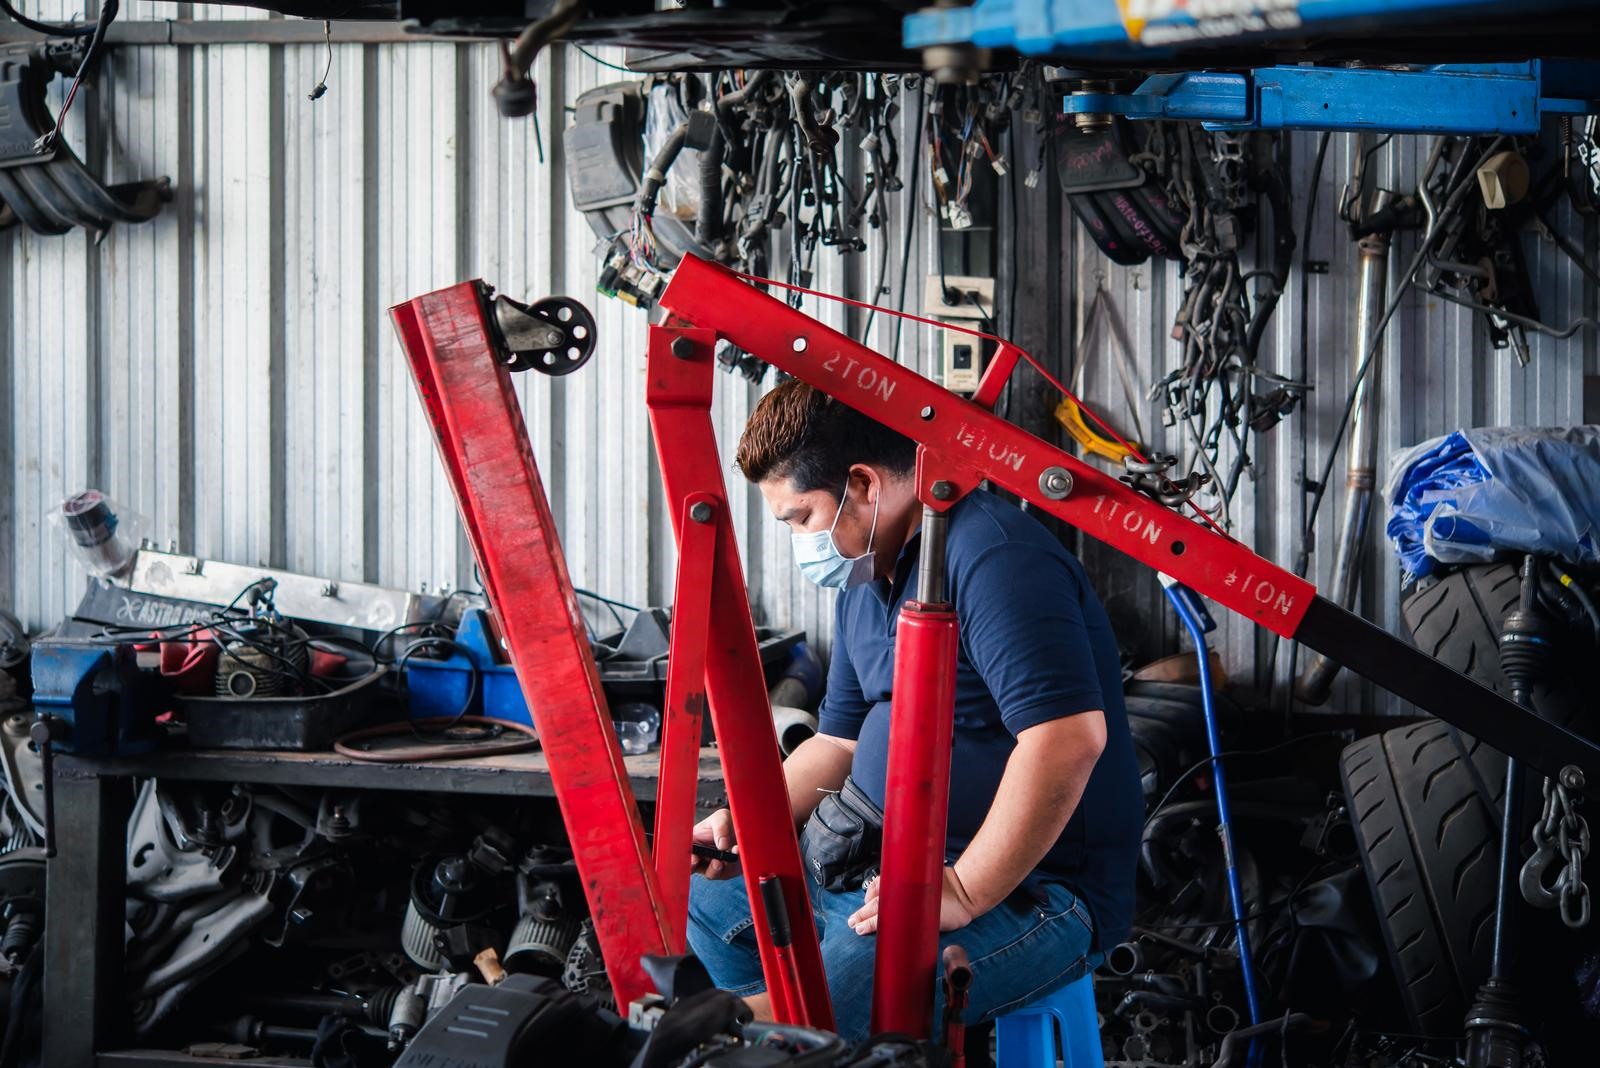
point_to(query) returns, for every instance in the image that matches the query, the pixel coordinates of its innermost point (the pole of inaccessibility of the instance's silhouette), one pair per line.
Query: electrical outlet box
(972, 307)
(963, 362)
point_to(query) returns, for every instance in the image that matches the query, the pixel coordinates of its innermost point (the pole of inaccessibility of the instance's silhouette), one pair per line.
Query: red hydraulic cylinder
(916, 800)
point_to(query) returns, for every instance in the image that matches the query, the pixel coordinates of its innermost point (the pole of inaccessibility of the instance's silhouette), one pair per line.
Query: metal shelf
(83, 969)
(522, 774)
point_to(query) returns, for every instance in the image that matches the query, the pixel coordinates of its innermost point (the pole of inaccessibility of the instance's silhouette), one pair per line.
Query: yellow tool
(1092, 439)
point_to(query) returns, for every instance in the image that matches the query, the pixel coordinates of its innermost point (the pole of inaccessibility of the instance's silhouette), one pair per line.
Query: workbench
(84, 1016)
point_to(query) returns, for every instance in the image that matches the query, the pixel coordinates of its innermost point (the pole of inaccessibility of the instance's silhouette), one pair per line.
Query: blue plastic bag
(1473, 494)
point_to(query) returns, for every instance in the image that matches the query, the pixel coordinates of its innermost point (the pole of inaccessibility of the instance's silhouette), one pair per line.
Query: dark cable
(1201, 765)
(86, 67)
(472, 684)
(1452, 203)
(602, 62)
(49, 29)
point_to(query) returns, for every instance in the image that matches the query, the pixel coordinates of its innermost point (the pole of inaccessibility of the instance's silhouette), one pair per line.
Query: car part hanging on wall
(43, 184)
(720, 164)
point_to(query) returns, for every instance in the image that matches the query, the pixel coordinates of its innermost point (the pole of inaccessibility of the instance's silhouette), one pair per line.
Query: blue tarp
(1473, 494)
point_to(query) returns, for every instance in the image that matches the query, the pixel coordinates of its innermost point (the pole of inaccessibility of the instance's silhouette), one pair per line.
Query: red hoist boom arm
(638, 898)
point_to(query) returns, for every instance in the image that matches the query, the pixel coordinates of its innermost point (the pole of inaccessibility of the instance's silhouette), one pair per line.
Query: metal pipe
(1179, 596)
(1361, 462)
(1229, 1049)
(957, 986)
(916, 799)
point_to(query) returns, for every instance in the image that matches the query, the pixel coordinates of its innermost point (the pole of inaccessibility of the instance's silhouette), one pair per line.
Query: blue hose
(1182, 600)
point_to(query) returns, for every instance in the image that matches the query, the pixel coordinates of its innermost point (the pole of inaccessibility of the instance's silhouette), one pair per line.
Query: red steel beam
(679, 374)
(685, 703)
(967, 443)
(483, 443)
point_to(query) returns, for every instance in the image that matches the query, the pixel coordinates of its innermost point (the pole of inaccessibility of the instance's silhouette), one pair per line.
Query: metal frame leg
(916, 798)
(85, 887)
(680, 373)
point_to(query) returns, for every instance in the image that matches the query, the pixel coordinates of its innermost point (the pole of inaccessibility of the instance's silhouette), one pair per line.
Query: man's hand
(956, 909)
(716, 830)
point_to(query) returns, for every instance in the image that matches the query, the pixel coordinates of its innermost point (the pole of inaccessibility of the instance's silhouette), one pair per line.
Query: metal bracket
(1450, 98)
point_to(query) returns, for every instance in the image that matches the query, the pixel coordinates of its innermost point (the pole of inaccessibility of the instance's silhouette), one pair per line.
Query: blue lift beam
(1459, 98)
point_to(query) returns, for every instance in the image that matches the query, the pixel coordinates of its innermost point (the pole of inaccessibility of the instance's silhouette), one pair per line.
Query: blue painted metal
(1192, 612)
(436, 688)
(1478, 98)
(1026, 1038)
(104, 704)
(1099, 30)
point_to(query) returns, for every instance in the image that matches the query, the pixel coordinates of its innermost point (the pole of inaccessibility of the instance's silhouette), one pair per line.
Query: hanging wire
(1026, 356)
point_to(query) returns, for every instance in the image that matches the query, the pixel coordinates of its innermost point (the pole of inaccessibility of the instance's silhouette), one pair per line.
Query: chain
(1560, 840)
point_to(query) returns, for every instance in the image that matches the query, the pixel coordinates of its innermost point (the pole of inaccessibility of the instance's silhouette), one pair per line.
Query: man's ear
(869, 479)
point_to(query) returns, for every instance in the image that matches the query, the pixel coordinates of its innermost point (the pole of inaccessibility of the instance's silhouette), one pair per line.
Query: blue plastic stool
(1026, 1038)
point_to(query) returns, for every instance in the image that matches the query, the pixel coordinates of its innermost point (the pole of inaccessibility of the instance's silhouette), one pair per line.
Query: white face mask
(819, 558)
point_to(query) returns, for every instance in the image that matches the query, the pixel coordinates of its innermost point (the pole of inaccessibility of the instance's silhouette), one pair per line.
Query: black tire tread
(1426, 827)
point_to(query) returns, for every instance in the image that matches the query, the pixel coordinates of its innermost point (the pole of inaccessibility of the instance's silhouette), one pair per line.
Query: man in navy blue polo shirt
(1045, 802)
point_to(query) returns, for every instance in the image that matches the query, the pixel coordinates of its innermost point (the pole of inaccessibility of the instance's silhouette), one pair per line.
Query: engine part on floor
(256, 869)
(24, 780)
(585, 969)
(43, 183)
(420, 1002)
(555, 336)
(451, 738)
(448, 892)
(540, 946)
(22, 879)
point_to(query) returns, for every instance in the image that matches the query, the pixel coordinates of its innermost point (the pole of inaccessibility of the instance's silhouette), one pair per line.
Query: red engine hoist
(461, 361)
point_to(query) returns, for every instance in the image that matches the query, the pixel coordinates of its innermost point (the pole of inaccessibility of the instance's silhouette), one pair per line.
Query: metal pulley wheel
(555, 335)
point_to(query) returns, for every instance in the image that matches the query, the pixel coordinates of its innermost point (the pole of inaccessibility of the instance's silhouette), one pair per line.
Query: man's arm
(818, 765)
(1043, 781)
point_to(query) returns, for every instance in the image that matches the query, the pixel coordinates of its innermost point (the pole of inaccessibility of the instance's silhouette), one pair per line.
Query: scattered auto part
(193, 579)
(1426, 802)
(772, 155)
(104, 535)
(14, 646)
(43, 184)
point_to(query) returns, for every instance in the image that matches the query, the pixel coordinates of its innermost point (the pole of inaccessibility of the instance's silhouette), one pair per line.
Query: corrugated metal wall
(228, 369)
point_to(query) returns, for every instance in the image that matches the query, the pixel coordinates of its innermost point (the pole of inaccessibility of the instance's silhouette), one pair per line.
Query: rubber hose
(656, 176)
(708, 221)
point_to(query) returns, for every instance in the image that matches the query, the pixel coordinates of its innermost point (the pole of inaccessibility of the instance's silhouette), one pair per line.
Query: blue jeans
(1020, 950)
